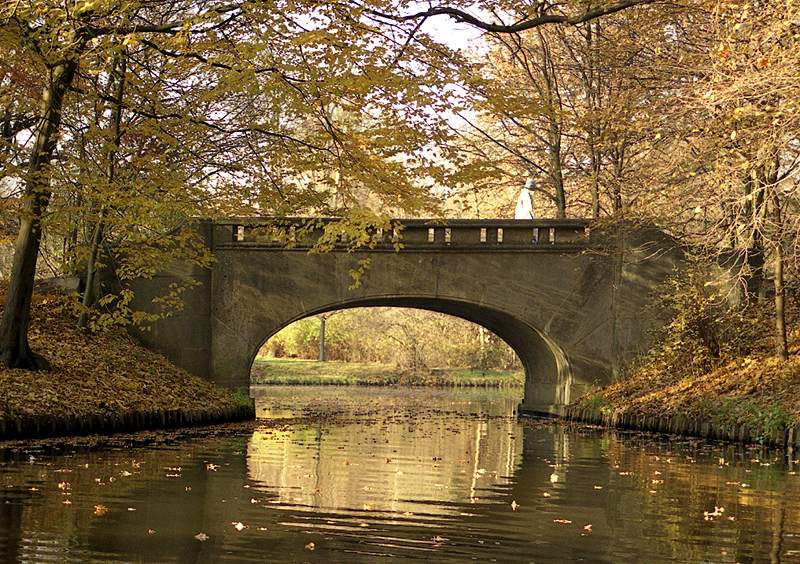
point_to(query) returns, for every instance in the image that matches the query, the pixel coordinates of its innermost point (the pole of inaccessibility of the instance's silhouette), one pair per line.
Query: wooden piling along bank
(131, 421)
(782, 437)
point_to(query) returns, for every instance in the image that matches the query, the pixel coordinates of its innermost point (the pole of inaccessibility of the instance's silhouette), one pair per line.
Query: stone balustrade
(417, 234)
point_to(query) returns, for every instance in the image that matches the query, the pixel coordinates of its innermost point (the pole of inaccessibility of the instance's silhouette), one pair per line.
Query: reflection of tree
(777, 533)
(11, 532)
(37, 526)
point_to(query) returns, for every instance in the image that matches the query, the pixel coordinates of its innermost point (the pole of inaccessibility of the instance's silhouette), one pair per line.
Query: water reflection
(393, 462)
(371, 474)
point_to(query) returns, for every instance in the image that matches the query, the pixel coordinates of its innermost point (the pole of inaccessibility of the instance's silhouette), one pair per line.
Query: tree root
(29, 360)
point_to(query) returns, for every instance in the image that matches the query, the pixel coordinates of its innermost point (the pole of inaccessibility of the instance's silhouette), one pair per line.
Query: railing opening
(302, 233)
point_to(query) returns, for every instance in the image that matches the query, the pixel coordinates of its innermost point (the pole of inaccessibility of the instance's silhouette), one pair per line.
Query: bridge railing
(496, 234)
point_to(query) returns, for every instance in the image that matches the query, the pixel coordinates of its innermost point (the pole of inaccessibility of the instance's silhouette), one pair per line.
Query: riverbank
(312, 372)
(754, 398)
(103, 382)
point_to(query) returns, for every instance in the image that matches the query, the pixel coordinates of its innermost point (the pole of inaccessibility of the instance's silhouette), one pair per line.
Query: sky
(453, 34)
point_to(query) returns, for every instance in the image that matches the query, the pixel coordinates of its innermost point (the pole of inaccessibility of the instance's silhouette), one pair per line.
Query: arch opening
(546, 369)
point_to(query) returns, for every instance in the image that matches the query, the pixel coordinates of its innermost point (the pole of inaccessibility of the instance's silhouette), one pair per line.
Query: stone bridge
(569, 298)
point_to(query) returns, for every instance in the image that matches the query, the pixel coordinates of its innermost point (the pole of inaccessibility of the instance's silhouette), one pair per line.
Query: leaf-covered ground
(758, 390)
(101, 373)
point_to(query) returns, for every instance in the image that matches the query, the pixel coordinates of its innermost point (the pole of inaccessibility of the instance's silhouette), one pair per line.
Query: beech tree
(242, 98)
(735, 162)
(572, 106)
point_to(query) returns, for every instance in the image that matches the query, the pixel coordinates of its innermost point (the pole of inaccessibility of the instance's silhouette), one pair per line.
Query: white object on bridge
(524, 208)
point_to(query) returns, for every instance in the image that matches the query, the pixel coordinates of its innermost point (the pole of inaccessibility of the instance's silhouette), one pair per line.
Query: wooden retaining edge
(39, 426)
(787, 438)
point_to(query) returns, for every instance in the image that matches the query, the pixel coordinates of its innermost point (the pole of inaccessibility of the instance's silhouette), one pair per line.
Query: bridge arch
(570, 301)
(545, 363)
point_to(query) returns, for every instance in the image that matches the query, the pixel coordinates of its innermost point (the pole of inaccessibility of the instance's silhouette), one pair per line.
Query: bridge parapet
(417, 234)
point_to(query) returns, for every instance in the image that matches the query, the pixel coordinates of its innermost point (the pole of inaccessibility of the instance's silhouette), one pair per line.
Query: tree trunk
(91, 267)
(118, 69)
(322, 338)
(781, 346)
(15, 352)
(595, 187)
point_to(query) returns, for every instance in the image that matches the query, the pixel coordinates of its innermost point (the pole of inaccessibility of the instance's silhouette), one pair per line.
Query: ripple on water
(363, 475)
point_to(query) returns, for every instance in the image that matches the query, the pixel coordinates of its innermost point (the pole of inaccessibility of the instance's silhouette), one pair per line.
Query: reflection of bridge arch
(569, 305)
(446, 458)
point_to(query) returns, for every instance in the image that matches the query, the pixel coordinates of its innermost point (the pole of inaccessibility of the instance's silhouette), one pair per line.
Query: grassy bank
(312, 372)
(757, 391)
(105, 374)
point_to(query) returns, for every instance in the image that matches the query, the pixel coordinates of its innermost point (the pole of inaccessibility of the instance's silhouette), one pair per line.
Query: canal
(346, 474)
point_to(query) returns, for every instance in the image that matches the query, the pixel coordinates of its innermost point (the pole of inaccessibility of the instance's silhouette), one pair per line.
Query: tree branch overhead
(461, 16)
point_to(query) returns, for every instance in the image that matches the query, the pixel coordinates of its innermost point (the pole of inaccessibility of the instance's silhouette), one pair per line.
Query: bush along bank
(303, 372)
(770, 432)
(712, 374)
(103, 382)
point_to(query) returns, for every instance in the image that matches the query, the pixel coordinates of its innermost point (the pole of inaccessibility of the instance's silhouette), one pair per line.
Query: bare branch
(464, 17)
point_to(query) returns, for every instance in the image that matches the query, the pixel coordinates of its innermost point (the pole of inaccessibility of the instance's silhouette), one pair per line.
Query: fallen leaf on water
(201, 537)
(238, 525)
(587, 527)
(514, 504)
(553, 478)
(562, 521)
(100, 510)
(310, 546)
(151, 531)
(546, 494)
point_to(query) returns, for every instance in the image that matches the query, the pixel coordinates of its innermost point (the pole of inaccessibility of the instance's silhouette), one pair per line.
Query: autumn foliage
(101, 374)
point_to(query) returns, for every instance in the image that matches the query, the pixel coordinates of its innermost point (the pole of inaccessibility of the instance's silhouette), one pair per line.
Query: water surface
(340, 474)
